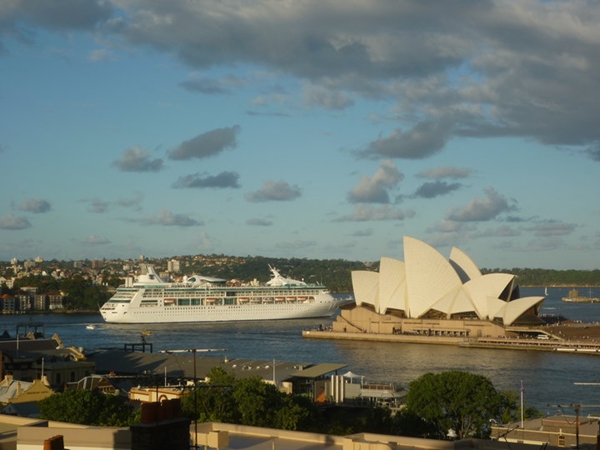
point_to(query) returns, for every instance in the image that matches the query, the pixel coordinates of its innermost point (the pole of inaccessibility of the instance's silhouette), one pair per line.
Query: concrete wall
(75, 437)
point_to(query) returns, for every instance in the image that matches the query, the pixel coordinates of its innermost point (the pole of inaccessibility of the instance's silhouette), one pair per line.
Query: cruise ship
(197, 298)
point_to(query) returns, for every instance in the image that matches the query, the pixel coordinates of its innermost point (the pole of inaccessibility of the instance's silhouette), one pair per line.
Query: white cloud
(365, 213)
(481, 209)
(375, 189)
(12, 222)
(280, 191)
(135, 159)
(34, 205)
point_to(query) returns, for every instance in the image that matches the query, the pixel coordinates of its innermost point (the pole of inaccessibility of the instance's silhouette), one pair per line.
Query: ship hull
(222, 313)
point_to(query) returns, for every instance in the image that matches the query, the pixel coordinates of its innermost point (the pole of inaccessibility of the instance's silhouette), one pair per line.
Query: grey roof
(30, 345)
(10, 391)
(181, 365)
(318, 370)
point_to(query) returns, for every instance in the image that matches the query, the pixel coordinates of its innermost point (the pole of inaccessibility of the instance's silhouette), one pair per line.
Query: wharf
(591, 347)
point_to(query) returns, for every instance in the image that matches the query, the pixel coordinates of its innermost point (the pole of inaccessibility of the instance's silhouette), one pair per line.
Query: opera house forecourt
(428, 297)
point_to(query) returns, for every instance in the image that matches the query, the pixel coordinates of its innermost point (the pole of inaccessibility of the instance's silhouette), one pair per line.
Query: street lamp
(194, 351)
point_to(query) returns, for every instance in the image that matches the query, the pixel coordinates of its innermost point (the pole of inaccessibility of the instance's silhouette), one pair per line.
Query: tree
(248, 401)
(257, 402)
(88, 408)
(459, 401)
(212, 401)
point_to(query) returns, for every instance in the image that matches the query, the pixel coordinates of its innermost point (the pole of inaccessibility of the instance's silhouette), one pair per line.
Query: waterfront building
(427, 294)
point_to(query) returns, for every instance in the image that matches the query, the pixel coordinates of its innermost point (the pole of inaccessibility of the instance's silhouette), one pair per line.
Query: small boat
(90, 327)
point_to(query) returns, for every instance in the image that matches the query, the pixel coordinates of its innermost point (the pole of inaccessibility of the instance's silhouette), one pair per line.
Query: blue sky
(309, 129)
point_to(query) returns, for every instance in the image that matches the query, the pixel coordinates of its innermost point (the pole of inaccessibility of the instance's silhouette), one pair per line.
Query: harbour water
(546, 377)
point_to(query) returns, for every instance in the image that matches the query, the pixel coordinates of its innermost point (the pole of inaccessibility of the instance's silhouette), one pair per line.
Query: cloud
(327, 98)
(422, 141)
(435, 189)
(438, 173)
(363, 233)
(12, 222)
(135, 159)
(593, 152)
(523, 68)
(95, 205)
(375, 189)
(94, 239)
(34, 205)
(552, 228)
(280, 191)
(57, 15)
(206, 144)
(222, 180)
(501, 231)
(259, 222)
(133, 203)
(100, 54)
(479, 210)
(534, 245)
(167, 218)
(365, 213)
(211, 86)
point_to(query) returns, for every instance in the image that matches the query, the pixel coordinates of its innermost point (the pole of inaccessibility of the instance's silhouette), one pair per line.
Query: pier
(580, 346)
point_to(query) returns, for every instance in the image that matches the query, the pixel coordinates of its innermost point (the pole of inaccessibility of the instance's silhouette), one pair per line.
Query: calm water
(547, 378)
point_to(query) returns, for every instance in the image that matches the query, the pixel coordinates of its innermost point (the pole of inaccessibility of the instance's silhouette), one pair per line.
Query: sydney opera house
(428, 294)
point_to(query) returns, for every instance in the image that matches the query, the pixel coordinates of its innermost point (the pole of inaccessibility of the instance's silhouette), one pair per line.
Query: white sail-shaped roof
(491, 285)
(366, 287)
(468, 268)
(426, 282)
(513, 310)
(429, 276)
(392, 285)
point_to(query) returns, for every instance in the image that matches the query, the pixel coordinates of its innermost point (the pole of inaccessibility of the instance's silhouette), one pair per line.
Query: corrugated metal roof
(318, 370)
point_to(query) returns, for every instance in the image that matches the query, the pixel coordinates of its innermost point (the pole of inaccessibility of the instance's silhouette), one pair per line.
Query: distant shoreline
(54, 311)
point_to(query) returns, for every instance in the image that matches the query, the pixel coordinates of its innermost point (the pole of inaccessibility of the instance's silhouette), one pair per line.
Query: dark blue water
(547, 378)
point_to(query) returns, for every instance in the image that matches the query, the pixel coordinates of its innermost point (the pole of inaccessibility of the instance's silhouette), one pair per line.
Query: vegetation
(86, 288)
(458, 404)
(88, 408)
(248, 401)
(80, 293)
(436, 403)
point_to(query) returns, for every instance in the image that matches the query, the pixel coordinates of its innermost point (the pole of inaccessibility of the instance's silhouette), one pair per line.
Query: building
(173, 266)
(557, 431)
(427, 294)
(22, 433)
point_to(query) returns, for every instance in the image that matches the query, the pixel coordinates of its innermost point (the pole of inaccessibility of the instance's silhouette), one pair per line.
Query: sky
(319, 129)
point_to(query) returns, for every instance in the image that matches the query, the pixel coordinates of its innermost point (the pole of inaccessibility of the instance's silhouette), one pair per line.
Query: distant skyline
(312, 129)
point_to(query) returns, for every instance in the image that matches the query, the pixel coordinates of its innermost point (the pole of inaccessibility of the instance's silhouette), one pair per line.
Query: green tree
(248, 401)
(455, 400)
(83, 294)
(88, 408)
(212, 401)
(257, 402)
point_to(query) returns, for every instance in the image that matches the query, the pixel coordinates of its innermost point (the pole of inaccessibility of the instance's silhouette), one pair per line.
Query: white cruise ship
(204, 299)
